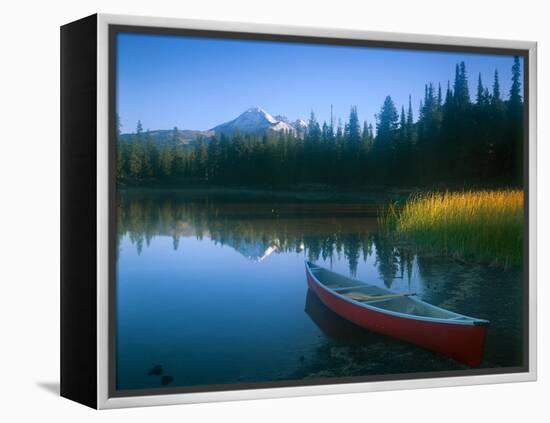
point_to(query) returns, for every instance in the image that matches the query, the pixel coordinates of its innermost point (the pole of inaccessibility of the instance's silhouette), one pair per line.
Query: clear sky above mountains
(198, 83)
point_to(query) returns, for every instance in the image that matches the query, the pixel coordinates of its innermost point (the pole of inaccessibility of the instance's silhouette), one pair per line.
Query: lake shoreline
(376, 195)
(372, 193)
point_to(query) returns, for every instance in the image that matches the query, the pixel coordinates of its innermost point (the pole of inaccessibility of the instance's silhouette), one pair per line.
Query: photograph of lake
(304, 212)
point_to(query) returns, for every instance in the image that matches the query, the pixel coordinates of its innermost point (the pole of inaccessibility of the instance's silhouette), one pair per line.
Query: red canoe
(400, 316)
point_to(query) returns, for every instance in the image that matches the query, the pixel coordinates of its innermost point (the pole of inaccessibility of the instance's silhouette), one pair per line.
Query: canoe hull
(462, 342)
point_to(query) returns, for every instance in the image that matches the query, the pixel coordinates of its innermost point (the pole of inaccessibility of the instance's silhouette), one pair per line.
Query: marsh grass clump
(472, 225)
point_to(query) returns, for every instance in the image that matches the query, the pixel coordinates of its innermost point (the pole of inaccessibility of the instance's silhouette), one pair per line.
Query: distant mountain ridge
(255, 121)
(166, 136)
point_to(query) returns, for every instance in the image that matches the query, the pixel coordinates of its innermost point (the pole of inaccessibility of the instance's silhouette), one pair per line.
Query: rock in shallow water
(166, 380)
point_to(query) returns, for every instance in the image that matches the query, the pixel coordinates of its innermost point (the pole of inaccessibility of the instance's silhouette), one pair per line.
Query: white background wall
(29, 240)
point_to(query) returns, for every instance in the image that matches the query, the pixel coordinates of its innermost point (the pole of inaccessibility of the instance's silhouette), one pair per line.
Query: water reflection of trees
(247, 228)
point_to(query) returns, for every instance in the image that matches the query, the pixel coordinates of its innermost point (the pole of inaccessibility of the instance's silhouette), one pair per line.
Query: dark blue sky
(197, 83)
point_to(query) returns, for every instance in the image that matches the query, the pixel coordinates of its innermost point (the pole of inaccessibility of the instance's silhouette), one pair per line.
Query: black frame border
(115, 29)
(78, 211)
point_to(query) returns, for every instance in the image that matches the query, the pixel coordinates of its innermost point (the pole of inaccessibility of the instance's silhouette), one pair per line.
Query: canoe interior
(342, 284)
(355, 290)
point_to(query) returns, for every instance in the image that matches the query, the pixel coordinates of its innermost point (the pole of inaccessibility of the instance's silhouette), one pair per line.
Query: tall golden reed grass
(472, 225)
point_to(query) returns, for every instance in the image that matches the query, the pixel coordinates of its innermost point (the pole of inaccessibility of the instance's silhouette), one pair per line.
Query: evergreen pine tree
(402, 127)
(135, 159)
(461, 90)
(325, 132)
(496, 89)
(353, 128)
(480, 91)
(515, 88)
(365, 136)
(139, 128)
(313, 129)
(387, 125)
(410, 122)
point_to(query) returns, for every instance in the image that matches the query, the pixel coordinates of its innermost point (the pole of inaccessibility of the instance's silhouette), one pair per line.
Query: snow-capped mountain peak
(254, 121)
(259, 113)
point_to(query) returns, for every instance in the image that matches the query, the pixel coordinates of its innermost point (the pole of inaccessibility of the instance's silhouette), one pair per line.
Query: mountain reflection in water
(324, 231)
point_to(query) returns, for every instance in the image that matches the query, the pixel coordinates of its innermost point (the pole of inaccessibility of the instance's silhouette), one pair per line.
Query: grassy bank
(474, 225)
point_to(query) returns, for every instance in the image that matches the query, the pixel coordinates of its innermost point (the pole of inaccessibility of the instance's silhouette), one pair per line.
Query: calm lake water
(214, 291)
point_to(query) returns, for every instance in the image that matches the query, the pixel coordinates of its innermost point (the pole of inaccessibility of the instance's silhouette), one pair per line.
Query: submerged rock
(155, 371)
(166, 380)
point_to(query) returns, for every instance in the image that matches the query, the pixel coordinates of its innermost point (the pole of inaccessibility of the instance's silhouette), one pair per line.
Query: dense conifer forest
(456, 140)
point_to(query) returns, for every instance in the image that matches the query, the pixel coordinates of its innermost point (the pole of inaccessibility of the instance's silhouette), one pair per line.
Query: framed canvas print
(253, 211)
